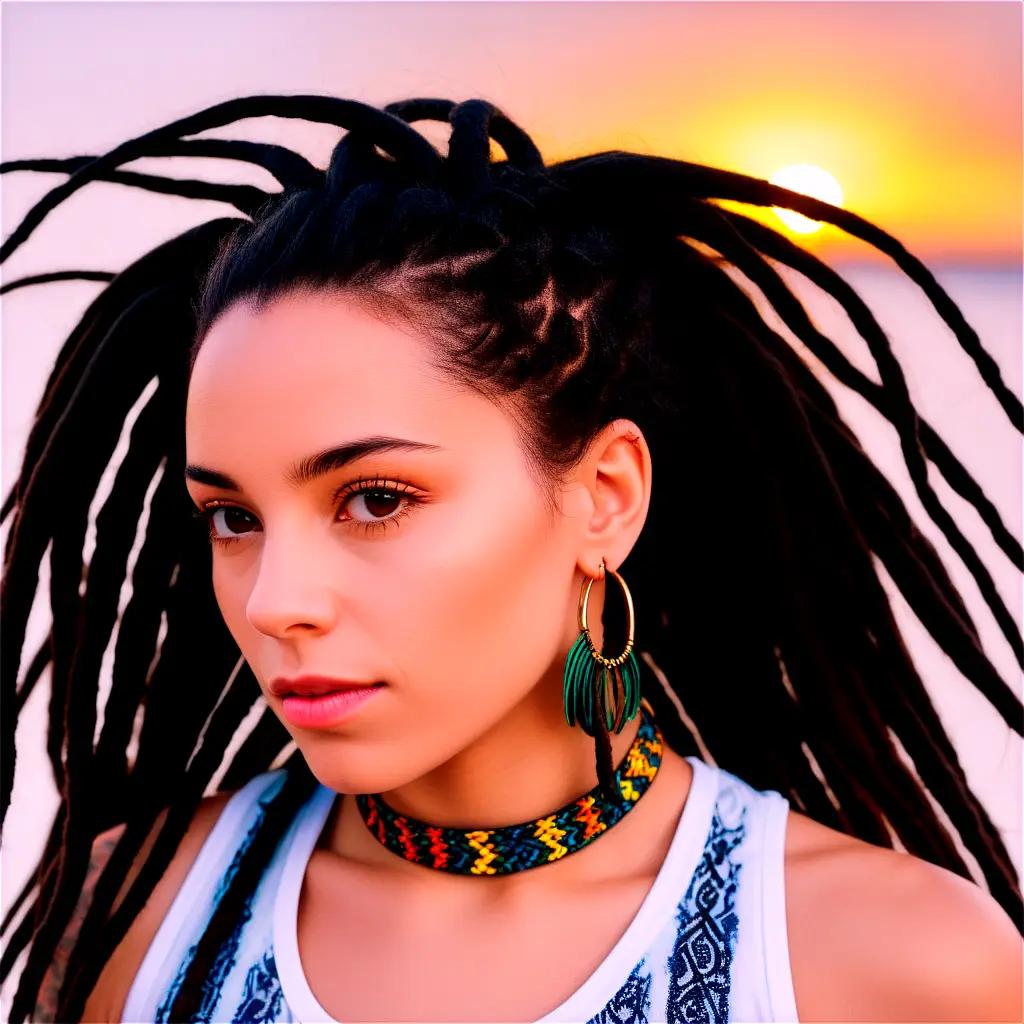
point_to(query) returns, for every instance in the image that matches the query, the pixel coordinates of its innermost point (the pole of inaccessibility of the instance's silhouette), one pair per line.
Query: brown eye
(234, 523)
(379, 504)
(376, 504)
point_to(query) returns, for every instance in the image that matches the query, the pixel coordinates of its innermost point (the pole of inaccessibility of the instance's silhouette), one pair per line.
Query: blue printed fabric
(697, 968)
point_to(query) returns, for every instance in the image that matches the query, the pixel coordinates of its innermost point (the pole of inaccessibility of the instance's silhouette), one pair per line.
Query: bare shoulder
(106, 1001)
(879, 935)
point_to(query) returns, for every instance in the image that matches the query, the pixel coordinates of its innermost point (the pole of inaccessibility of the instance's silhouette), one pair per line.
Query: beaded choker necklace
(508, 848)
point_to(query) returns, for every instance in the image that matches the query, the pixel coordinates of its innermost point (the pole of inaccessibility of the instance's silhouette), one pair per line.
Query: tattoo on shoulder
(53, 979)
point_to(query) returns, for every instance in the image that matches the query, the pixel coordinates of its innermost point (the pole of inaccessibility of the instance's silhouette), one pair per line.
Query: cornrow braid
(594, 288)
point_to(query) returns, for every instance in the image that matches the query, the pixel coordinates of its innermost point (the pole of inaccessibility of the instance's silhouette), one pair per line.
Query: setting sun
(811, 181)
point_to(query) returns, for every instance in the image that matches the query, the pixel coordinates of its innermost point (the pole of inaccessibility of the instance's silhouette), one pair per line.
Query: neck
(527, 766)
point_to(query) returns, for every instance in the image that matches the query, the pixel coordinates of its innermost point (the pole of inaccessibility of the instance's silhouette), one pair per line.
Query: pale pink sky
(915, 107)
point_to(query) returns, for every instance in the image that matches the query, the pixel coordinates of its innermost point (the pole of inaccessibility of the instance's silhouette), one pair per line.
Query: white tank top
(708, 943)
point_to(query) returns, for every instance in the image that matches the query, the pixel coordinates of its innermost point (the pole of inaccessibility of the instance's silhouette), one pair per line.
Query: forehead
(316, 365)
(303, 346)
(315, 370)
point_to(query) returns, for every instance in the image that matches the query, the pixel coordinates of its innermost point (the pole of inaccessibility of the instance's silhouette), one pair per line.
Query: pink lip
(313, 686)
(328, 709)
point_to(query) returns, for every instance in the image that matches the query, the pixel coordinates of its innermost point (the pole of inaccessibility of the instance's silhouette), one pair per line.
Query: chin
(344, 773)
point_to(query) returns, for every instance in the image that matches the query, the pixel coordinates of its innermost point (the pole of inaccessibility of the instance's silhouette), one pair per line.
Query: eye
(228, 524)
(233, 521)
(377, 497)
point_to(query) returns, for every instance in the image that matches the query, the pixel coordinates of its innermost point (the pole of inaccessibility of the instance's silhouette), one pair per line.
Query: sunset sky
(914, 108)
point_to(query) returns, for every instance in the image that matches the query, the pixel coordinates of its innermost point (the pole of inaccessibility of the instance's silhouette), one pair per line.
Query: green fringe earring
(601, 694)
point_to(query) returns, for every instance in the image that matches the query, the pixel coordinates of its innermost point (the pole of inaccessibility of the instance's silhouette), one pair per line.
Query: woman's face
(434, 567)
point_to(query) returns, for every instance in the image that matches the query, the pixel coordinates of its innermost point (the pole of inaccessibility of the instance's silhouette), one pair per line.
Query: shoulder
(878, 934)
(107, 998)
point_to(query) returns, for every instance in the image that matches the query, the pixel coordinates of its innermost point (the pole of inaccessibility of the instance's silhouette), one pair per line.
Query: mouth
(323, 704)
(317, 686)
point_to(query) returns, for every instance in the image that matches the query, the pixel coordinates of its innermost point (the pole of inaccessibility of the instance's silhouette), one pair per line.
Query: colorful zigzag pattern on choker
(529, 844)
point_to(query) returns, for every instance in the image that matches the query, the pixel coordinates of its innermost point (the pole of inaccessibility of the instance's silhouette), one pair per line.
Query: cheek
(484, 609)
(231, 589)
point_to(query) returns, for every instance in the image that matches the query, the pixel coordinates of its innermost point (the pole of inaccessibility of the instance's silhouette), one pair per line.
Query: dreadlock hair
(594, 288)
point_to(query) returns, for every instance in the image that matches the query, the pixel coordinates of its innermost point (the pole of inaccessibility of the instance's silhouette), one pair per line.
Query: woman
(422, 399)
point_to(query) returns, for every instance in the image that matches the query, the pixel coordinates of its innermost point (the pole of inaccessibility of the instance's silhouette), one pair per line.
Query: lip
(314, 686)
(327, 709)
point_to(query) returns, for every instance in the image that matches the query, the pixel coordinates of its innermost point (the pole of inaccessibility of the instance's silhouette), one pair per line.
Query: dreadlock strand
(846, 699)
(776, 246)
(709, 704)
(245, 198)
(744, 257)
(917, 570)
(390, 133)
(752, 670)
(36, 667)
(56, 275)
(181, 695)
(936, 602)
(72, 720)
(468, 164)
(67, 570)
(642, 177)
(115, 527)
(354, 161)
(290, 169)
(520, 149)
(225, 716)
(136, 646)
(905, 553)
(191, 249)
(75, 460)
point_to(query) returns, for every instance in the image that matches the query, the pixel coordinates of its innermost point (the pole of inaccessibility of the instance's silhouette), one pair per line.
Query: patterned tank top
(708, 943)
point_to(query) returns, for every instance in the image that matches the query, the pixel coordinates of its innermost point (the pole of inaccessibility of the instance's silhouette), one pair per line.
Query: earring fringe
(603, 744)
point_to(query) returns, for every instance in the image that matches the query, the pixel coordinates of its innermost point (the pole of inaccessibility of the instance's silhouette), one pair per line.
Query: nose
(292, 592)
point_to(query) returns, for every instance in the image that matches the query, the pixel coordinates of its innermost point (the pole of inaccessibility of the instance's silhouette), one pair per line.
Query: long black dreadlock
(590, 289)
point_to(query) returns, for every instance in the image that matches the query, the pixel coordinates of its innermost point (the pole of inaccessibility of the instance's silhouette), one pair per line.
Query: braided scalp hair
(590, 289)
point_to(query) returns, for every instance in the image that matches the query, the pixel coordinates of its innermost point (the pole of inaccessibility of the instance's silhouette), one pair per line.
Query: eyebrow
(314, 466)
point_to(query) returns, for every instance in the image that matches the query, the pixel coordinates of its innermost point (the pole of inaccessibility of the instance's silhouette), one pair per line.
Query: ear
(613, 487)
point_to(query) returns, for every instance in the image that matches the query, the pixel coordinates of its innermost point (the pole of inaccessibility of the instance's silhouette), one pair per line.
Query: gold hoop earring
(601, 694)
